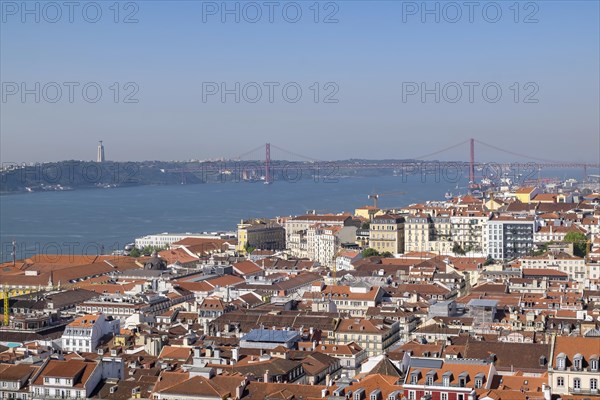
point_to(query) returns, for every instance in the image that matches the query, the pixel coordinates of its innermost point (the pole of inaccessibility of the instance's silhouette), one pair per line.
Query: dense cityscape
(300, 200)
(493, 296)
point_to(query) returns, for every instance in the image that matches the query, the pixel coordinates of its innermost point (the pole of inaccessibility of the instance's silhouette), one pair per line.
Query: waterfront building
(260, 234)
(166, 238)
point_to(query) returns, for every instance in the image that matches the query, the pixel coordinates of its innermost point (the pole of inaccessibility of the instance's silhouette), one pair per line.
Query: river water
(83, 221)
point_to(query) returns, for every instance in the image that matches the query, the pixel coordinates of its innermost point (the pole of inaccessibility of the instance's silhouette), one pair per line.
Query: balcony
(583, 391)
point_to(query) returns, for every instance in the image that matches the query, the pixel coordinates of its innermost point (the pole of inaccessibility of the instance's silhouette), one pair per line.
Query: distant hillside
(72, 175)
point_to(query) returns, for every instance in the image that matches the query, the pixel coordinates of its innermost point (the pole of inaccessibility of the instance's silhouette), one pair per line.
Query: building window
(478, 383)
(411, 395)
(561, 362)
(577, 362)
(594, 384)
(444, 396)
(594, 364)
(577, 383)
(429, 380)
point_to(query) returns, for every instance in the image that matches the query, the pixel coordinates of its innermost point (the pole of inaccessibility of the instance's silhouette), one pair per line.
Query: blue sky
(374, 53)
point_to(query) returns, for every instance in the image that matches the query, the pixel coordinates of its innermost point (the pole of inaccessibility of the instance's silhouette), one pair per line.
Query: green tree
(369, 252)
(148, 250)
(457, 249)
(488, 261)
(249, 249)
(579, 241)
(541, 249)
(135, 252)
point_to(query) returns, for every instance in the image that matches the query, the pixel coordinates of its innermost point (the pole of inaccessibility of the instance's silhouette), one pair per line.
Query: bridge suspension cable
(440, 151)
(294, 154)
(517, 154)
(254, 150)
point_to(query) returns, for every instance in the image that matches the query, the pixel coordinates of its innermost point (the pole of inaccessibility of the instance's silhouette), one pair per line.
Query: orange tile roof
(226, 280)
(360, 325)
(201, 286)
(177, 255)
(572, 345)
(525, 190)
(77, 369)
(86, 321)
(455, 368)
(345, 349)
(175, 353)
(246, 267)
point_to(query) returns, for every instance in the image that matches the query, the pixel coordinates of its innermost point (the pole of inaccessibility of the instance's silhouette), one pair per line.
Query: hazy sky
(370, 61)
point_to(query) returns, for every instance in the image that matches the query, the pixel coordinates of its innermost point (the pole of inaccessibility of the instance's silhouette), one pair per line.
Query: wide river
(82, 221)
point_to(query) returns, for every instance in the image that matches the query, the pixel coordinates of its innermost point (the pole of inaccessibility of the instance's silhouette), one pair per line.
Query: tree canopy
(370, 252)
(579, 241)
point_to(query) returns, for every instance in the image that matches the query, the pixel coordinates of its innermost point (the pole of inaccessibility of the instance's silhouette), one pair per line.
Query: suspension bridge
(261, 159)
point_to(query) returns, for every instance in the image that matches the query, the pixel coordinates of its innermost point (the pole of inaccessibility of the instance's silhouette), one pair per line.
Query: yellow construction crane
(6, 294)
(6, 319)
(375, 196)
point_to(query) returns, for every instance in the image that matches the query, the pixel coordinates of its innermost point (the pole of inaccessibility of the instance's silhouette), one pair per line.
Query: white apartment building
(84, 333)
(441, 240)
(296, 243)
(572, 265)
(418, 232)
(551, 233)
(303, 222)
(60, 379)
(506, 237)
(345, 258)
(467, 229)
(323, 242)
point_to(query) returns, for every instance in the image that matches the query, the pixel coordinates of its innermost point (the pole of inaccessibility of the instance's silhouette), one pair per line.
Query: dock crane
(375, 196)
